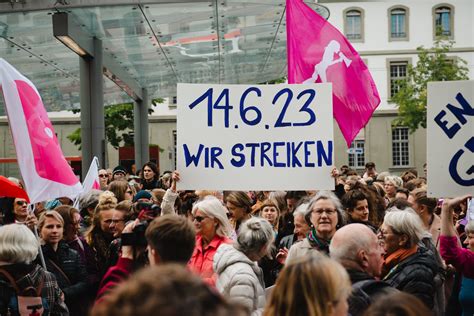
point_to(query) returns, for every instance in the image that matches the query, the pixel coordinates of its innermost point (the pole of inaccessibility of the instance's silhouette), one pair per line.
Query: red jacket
(114, 276)
(201, 260)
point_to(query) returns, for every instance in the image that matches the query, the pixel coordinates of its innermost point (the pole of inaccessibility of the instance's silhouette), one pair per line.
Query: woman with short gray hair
(213, 229)
(18, 250)
(408, 265)
(239, 276)
(324, 215)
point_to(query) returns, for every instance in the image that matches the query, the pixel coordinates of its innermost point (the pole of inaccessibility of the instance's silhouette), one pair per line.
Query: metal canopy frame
(146, 48)
(94, 63)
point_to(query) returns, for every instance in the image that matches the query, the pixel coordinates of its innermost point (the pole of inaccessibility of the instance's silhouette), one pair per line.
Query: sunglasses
(103, 176)
(198, 218)
(21, 203)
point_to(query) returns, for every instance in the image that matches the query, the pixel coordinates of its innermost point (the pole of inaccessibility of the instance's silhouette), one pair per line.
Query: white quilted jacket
(239, 278)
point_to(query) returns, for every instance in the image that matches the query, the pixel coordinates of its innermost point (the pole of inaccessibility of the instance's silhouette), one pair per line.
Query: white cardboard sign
(255, 137)
(450, 154)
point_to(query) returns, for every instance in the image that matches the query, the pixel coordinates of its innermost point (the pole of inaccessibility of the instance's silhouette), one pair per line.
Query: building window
(400, 152)
(175, 100)
(442, 22)
(398, 73)
(443, 16)
(356, 154)
(354, 24)
(398, 23)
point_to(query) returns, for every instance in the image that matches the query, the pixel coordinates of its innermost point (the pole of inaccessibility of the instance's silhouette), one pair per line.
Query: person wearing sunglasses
(103, 179)
(212, 230)
(17, 212)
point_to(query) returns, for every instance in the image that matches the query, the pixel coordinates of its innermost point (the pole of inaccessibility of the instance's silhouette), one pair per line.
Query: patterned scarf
(318, 243)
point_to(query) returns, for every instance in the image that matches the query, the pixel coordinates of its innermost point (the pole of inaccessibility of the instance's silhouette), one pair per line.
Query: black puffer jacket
(365, 291)
(415, 275)
(75, 286)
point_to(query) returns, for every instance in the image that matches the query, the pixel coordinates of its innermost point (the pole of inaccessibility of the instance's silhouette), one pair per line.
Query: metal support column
(140, 122)
(92, 108)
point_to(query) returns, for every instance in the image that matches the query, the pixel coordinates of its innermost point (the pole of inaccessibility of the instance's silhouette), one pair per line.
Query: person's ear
(363, 258)
(403, 240)
(156, 256)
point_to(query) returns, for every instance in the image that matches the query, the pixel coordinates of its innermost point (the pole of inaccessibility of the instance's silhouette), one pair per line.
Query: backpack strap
(10, 279)
(60, 271)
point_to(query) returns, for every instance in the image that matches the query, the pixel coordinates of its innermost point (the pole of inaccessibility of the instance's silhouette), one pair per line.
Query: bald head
(355, 246)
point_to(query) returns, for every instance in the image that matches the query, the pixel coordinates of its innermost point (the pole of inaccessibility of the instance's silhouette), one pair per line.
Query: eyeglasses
(103, 176)
(199, 218)
(113, 221)
(21, 203)
(321, 211)
(382, 233)
(129, 192)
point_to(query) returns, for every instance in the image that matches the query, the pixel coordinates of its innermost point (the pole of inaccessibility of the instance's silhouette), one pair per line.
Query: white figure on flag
(333, 48)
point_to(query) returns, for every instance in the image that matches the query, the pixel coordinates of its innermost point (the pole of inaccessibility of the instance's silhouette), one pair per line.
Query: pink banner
(317, 53)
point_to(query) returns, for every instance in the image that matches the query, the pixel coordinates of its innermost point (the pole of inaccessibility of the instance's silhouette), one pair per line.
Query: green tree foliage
(118, 124)
(433, 65)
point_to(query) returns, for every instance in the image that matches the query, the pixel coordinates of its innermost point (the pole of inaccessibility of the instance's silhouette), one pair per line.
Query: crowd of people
(376, 245)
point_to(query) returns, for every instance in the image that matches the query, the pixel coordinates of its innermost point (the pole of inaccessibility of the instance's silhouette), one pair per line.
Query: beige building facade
(385, 33)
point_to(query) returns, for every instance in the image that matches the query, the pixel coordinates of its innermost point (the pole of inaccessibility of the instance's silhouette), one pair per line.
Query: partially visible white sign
(450, 154)
(355, 151)
(255, 137)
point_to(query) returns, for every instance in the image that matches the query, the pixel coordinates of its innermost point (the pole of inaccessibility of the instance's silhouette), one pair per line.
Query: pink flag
(45, 171)
(318, 52)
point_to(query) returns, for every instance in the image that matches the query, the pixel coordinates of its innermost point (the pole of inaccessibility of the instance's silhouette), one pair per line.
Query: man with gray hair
(356, 247)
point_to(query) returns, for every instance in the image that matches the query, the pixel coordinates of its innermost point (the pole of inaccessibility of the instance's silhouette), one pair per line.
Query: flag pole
(35, 231)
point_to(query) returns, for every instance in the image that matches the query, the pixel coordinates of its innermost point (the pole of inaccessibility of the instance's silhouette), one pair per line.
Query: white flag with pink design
(46, 173)
(91, 181)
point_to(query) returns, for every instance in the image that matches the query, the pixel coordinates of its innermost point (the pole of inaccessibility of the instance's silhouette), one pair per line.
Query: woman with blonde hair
(64, 262)
(314, 285)
(212, 230)
(101, 233)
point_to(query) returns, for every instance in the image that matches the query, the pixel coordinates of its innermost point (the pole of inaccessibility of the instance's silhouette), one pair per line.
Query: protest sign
(450, 154)
(255, 137)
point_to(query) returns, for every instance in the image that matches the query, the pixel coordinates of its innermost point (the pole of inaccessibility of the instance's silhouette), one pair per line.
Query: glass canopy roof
(158, 44)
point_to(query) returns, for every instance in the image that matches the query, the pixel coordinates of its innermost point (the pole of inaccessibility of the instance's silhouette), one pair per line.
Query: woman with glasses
(212, 230)
(65, 263)
(408, 265)
(324, 215)
(122, 190)
(16, 211)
